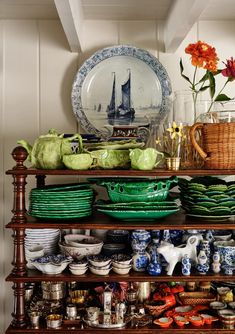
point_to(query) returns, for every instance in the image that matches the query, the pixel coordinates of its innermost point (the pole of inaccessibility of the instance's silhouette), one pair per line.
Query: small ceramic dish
(107, 266)
(52, 264)
(180, 320)
(232, 305)
(196, 320)
(99, 271)
(120, 265)
(78, 271)
(122, 259)
(81, 240)
(218, 305)
(222, 236)
(49, 268)
(208, 319)
(122, 271)
(79, 264)
(163, 322)
(34, 251)
(183, 309)
(99, 260)
(227, 314)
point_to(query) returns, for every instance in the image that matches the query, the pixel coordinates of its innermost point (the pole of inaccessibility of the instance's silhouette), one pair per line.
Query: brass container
(173, 163)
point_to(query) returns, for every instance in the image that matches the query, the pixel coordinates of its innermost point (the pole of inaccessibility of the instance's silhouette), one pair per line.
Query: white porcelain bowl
(79, 265)
(99, 271)
(33, 253)
(78, 271)
(122, 271)
(121, 259)
(222, 236)
(216, 305)
(81, 240)
(79, 253)
(99, 260)
(49, 268)
(121, 265)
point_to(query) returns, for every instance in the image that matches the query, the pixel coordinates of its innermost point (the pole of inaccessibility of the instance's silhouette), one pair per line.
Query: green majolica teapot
(48, 150)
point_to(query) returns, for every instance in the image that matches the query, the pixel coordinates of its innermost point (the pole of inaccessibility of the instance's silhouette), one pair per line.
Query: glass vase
(220, 112)
(187, 111)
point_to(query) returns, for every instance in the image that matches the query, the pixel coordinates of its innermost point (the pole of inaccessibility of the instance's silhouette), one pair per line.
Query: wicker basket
(218, 139)
(196, 298)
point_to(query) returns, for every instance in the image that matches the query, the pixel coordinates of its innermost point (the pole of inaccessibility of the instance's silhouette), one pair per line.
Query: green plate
(210, 218)
(207, 204)
(61, 187)
(228, 202)
(138, 205)
(218, 187)
(59, 208)
(213, 192)
(198, 195)
(62, 193)
(61, 215)
(132, 215)
(199, 188)
(218, 210)
(218, 197)
(62, 210)
(212, 200)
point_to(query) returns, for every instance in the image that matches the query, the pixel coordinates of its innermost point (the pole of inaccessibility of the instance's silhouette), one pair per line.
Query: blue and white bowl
(52, 264)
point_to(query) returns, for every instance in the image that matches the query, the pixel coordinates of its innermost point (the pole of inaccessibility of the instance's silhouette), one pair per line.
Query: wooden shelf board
(37, 276)
(152, 329)
(126, 172)
(100, 221)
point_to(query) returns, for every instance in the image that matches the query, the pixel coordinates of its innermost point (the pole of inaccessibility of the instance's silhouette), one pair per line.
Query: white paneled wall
(36, 74)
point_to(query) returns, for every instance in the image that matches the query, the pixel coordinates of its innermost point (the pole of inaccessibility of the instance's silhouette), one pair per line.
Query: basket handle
(198, 148)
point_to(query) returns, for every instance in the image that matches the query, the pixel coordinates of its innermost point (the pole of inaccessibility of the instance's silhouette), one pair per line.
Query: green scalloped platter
(137, 215)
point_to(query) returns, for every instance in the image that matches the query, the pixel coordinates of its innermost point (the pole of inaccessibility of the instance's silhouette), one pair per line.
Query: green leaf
(203, 88)
(181, 66)
(212, 84)
(204, 78)
(222, 97)
(182, 70)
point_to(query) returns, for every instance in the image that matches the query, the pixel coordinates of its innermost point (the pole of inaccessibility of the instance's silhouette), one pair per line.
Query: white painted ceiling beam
(71, 16)
(182, 16)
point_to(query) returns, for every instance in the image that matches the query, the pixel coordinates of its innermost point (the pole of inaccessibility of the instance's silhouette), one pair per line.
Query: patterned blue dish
(120, 86)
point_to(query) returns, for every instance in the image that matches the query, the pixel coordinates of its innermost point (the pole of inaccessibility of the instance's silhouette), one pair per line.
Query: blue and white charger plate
(120, 86)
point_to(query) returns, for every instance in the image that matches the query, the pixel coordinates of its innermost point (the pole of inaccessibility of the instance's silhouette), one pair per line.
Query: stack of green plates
(208, 197)
(61, 201)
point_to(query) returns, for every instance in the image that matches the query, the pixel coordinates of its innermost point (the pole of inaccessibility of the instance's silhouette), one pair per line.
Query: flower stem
(195, 94)
(211, 104)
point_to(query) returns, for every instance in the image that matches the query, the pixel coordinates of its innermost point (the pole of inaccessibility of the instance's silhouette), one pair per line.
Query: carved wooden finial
(19, 154)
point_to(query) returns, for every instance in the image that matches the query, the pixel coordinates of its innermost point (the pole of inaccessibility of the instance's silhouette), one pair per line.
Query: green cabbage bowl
(122, 190)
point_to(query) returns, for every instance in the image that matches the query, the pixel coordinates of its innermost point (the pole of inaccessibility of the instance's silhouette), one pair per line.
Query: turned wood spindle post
(19, 217)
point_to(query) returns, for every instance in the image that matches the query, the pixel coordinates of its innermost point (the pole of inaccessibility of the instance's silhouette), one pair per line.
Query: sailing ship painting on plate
(123, 113)
(123, 93)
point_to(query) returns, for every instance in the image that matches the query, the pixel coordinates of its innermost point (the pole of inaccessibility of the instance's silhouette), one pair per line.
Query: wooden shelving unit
(20, 221)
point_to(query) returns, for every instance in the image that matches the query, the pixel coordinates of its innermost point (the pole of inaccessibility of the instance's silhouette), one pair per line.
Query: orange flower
(203, 55)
